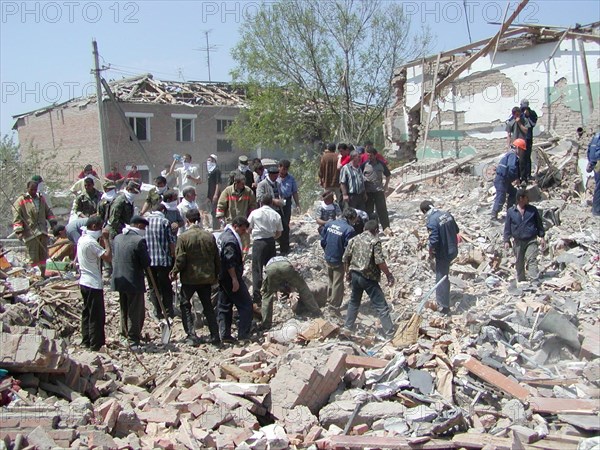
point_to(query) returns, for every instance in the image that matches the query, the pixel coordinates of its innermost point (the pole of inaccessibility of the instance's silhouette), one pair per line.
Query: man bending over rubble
(524, 225)
(280, 275)
(364, 262)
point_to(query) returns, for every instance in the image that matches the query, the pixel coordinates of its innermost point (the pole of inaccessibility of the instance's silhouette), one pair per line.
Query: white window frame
(229, 119)
(141, 115)
(191, 117)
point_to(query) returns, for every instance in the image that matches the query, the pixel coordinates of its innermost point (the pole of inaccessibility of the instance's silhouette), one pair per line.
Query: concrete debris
(513, 364)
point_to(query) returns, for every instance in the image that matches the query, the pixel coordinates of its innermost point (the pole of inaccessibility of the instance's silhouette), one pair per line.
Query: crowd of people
(175, 240)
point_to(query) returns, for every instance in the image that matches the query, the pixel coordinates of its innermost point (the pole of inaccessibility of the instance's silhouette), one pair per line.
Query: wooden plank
(495, 378)
(397, 442)
(433, 87)
(367, 362)
(586, 76)
(434, 173)
(166, 384)
(563, 405)
(466, 64)
(240, 374)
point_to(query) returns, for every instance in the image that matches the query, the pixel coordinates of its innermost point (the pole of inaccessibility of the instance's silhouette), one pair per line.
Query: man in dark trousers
(531, 116)
(443, 246)
(130, 260)
(214, 188)
(280, 275)
(363, 262)
(334, 240)
(524, 225)
(89, 255)
(197, 263)
(507, 172)
(161, 247)
(232, 288)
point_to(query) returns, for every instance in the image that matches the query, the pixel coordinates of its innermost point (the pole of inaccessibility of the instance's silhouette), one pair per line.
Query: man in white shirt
(266, 226)
(188, 202)
(89, 255)
(187, 175)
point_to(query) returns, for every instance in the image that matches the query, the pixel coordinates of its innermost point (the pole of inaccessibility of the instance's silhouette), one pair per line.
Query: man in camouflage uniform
(30, 223)
(122, 208)
(280, 275)
(86, 203)
(155, 195)
(236, 200)
(364, 262)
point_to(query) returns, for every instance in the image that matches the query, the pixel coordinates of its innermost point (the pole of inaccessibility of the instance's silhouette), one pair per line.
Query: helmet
(520, 143)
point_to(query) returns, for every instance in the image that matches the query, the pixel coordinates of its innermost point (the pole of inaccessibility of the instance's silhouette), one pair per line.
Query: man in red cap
(507, 172)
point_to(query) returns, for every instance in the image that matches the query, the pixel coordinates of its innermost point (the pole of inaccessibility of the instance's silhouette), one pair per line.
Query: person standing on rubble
(161, 247)
(593, 156)
(517, 127)
(374, 171)
(90, 254)
(266, 227)
(507, 172)
(329, 174)
(130, 261)
(524, 225)
(334, 240)
(288, 189)
(363, 263)
(443, 246)
(531, 116)
(198, 264)
(232, 288)
(31, 215)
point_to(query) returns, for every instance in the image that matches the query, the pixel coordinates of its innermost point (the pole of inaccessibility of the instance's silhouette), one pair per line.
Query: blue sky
(46, 50)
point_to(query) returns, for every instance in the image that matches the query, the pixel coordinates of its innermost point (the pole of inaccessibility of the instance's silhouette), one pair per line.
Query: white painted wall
(531, 72)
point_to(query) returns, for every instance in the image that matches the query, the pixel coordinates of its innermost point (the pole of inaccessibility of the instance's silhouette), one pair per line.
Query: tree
(320, 69)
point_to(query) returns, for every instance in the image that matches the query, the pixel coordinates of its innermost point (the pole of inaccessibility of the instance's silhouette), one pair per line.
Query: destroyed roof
(518, 36)
(146, 89)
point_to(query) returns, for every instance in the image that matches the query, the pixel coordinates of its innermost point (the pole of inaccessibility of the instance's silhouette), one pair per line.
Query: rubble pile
(512, 366)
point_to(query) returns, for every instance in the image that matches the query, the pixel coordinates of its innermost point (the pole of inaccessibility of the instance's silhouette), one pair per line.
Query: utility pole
(103, 141)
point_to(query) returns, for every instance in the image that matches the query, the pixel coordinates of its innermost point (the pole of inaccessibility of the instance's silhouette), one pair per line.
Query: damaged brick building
(167, 117)
(476, 86)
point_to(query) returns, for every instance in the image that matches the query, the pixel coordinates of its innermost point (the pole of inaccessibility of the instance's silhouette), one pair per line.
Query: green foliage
(305, 170)
(16, 171)
(324, 67)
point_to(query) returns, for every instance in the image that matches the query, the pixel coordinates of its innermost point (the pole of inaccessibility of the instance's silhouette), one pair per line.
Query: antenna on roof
(207, 49)
(467, 20)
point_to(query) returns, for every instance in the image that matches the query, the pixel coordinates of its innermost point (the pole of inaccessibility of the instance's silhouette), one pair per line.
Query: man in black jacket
(130, 260)
(524, 225)
(232, 288)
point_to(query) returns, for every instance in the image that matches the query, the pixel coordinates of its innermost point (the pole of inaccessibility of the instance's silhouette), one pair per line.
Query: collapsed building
(456, 103)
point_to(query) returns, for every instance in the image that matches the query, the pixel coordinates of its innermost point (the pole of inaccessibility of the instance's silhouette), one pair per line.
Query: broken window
(184, 130)
(140, 127)
(222, 125)
(224, 145)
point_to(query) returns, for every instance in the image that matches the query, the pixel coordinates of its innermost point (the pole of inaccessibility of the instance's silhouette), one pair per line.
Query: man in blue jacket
(507, 172)
(443, 246)
(334, 240)
(524, 225)
(593, 156)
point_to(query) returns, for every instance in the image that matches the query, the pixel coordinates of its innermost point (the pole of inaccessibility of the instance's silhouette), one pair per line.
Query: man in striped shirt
(161, 247)
(352, 183)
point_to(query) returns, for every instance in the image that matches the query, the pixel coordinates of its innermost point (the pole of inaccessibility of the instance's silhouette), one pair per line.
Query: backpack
(593, 153)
